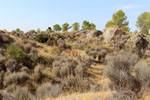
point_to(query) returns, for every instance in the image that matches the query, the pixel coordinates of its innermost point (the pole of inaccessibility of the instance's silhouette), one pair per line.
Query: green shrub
(47, 90)
(15, 52)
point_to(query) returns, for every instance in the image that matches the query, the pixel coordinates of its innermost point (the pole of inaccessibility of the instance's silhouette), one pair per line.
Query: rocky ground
(87, 65)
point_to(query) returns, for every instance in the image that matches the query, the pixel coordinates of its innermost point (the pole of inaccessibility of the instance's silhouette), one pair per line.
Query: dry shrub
(64, 71)
(27, 48)
(73, 84)
(22, 94)
(19, 77)
(142, 71)
(119, 70)
(11, 64)
(34, 52)
(79, 71)
(37, 73)
(123, 95)
(47, 90)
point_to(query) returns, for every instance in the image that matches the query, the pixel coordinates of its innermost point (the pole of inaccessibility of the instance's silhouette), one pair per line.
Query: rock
(6, 96)
(139, 39)
(93, 33)
(113, 35)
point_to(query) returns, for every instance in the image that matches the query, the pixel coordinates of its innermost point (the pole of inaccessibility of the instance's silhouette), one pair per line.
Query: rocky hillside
(39, 66)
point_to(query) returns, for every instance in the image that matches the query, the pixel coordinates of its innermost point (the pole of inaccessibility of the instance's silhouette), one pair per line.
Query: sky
(33, 14)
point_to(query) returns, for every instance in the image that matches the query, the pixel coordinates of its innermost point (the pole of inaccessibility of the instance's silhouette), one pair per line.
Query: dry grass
(86, 96)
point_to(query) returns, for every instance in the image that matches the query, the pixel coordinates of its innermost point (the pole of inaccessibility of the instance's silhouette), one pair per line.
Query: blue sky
(33, 14)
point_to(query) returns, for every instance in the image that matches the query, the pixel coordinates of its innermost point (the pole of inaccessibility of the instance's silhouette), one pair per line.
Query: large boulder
(113, 34)
(115, 37)
(138, 40)
(6, 96)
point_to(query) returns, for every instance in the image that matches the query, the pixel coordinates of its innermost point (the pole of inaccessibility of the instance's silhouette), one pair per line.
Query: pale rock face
(138, 39)
(112, 34)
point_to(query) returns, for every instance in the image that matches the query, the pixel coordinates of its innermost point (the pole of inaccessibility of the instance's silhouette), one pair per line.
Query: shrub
(11, 64)
(41, 37)
(15, 52)
(79, 71)
(47, 90)
(37, 72)
(34, 52)
(22, 94)
(142, 71)
(17, 78)
(64, 71)
(119, 70)
(55, 50)
(27, 48)
(11, 88)
(73, 84)
(123, 95)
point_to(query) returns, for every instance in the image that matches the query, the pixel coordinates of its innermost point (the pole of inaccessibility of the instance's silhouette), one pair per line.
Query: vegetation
(143, 22)
(86, 25)
(38, 30)
(65, 27)
(15, 52)
(119, 19)
(75, 26)
(48, 90)
(49, 29)
(45, 64)
(57, 28)
(18, 30)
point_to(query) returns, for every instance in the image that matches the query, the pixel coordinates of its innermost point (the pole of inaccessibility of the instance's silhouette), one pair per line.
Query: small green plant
(15, 52)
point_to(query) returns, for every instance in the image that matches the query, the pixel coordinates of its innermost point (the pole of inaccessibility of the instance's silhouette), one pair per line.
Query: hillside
(87, 65)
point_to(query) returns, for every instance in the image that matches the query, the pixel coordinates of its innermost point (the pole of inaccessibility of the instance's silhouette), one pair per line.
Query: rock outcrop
(115, 37)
